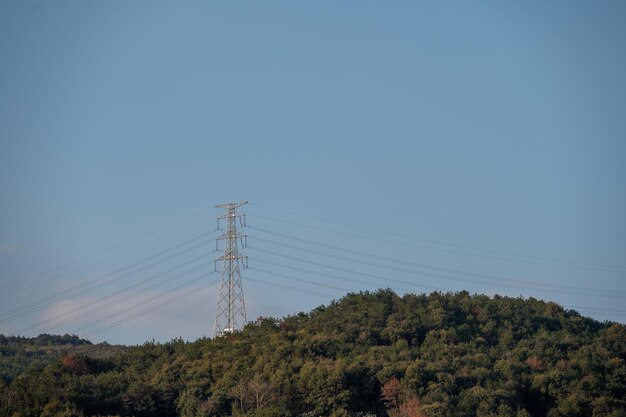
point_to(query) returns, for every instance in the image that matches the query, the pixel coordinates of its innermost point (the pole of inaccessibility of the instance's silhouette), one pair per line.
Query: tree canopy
(367, 354)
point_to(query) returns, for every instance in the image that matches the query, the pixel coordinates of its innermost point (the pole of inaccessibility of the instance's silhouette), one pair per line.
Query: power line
(346, 270)
(404, 244)
(93, 309)
(581, 308)
(57, 268)
(82, 267)
(231, 289)
(287, 287)
(419, 273)
(332, 276)
(153, 308)
(602, 310)
(614, 268)
(411, 271)
(304, 281)
(142, 303)
(435, 268)
(194, 290)
(73, 291)
(348, 291)
(80, 288)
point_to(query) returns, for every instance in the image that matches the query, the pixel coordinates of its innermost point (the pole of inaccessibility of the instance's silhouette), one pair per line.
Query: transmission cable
(287, 287)
(305, 281)
(155, 307)
(118, 300)
(74, 291)
(404, 244)
(82, 267)
(370, 283)
(437, 268)
(597, 309)
(615, 268)
(349, 271)
(419, 273)
(333, 276)
(57, 268)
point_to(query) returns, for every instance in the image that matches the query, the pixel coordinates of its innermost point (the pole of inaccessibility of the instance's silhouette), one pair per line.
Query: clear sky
(498, 128)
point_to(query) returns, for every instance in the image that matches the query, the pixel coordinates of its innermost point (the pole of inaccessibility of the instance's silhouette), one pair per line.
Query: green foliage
(367, 354)
(17, 354)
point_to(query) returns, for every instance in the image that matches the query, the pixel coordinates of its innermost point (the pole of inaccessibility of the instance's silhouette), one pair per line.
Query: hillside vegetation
(364, 355)
(19, 353)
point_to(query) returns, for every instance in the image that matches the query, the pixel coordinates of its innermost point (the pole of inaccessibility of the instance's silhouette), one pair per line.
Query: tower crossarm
(231, 308)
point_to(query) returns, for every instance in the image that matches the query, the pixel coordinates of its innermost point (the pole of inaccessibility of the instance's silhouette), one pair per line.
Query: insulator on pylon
(231, 308)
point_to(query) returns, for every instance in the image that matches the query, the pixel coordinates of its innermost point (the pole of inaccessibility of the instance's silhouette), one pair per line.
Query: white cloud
(190, 317)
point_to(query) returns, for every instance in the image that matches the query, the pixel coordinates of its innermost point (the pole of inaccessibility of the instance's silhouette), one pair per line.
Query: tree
(400, 402)
(390, 394)
(262, 391)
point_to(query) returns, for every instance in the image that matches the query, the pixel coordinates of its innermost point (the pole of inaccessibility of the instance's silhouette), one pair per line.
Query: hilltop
(20, 353)
(378, 353)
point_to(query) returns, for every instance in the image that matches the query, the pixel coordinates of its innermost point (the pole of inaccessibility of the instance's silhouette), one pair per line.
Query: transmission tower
(231, 308)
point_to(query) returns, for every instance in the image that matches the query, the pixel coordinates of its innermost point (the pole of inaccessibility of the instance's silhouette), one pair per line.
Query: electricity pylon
(231, 308)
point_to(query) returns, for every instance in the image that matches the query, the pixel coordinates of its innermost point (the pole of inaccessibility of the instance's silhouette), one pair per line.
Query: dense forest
(19, 353)
(368, 354)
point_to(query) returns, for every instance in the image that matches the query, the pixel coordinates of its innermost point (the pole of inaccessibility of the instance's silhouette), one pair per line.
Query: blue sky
(489, 125)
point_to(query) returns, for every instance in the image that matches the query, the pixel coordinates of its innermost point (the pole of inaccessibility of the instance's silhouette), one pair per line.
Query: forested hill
(19, 353)
(364, 355)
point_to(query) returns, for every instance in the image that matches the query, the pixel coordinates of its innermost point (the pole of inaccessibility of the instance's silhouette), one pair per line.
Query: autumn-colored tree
(412, 407)
(390, 394)
(74, 364)
(399, 402)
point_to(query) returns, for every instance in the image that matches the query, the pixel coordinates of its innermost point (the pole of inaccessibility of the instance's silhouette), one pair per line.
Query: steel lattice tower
(231, 308)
